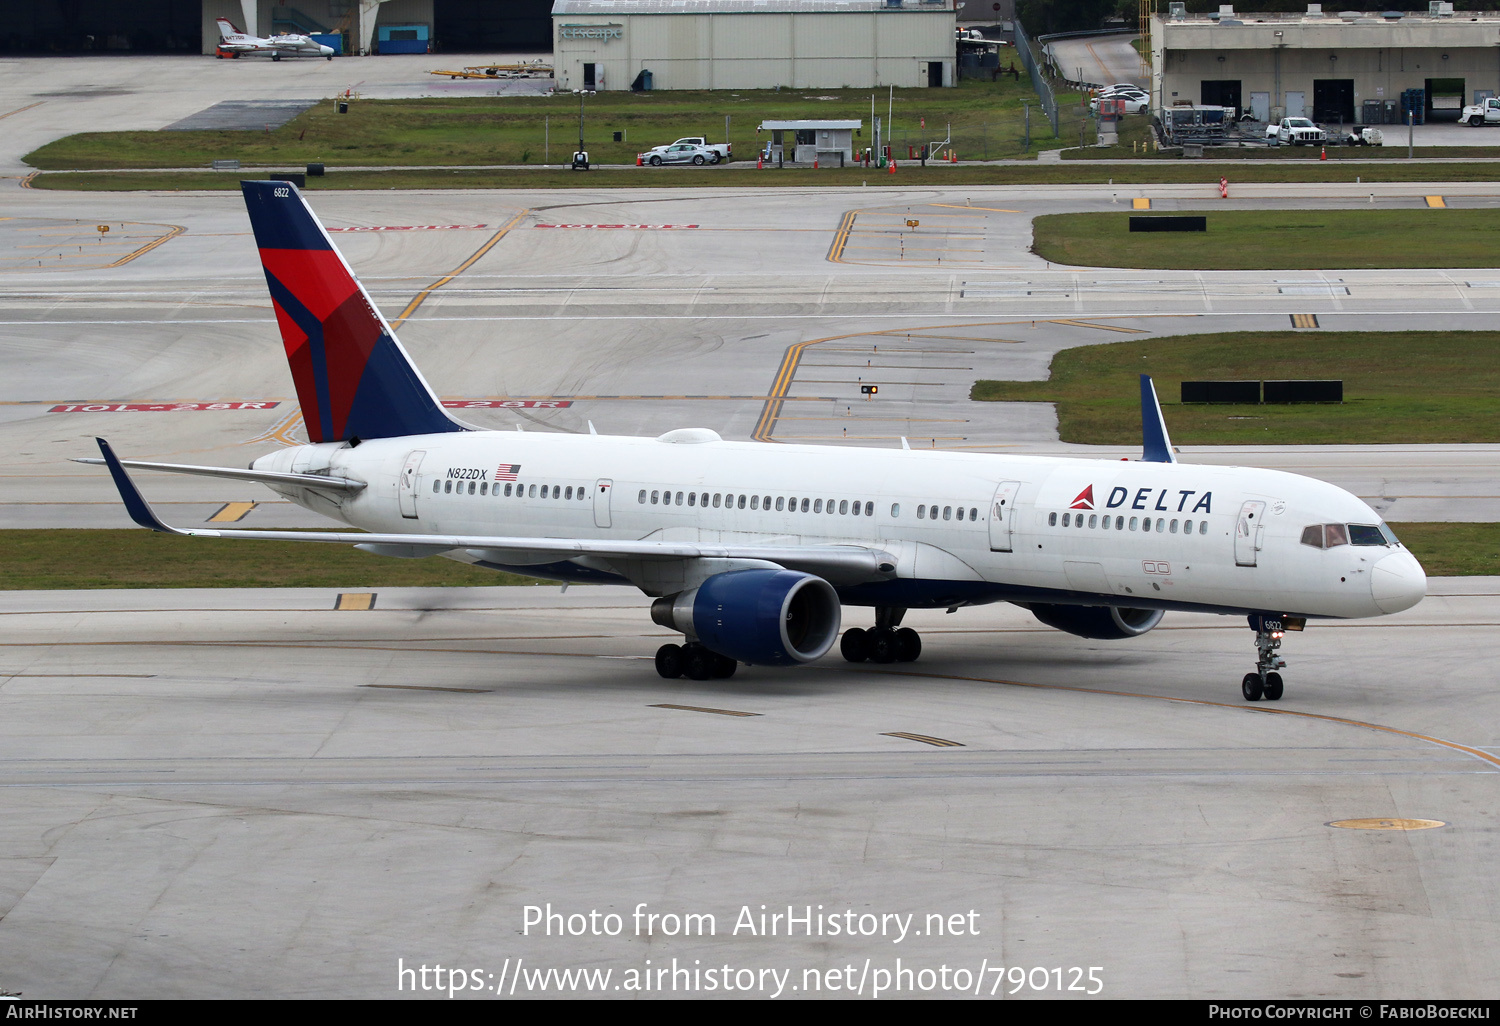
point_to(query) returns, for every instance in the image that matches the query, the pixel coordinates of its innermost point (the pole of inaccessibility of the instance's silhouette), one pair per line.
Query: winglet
(135, 503)
(1156, 445)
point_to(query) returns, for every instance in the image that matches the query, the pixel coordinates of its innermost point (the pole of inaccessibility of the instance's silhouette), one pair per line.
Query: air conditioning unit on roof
(1439, 9)
(1177, 12)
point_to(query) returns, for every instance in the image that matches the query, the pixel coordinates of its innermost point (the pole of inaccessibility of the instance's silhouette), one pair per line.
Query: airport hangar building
(753, 44)
(1330, 67)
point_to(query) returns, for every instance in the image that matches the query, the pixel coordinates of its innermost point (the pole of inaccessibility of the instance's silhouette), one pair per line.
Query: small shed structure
(802, 142)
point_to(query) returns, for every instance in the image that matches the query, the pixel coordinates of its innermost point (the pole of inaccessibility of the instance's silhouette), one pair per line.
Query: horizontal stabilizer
(337, 484)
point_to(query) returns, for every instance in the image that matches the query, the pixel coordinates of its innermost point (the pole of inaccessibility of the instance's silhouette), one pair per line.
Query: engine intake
(1105, 623)
(766, 617)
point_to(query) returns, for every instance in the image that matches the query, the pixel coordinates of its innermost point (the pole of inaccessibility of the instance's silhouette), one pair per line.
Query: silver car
(680, 153)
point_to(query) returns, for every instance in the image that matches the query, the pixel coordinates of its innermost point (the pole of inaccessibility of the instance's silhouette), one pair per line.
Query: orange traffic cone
(815, 163)
(1325, 154)
(638, 161)
(952, 157)
(893, 165)
(760, 162)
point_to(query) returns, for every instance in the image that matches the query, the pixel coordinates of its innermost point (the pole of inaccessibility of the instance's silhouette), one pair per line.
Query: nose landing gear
(1265, 682)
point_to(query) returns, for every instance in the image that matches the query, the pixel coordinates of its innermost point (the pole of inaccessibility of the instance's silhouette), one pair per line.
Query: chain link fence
(1029, 59)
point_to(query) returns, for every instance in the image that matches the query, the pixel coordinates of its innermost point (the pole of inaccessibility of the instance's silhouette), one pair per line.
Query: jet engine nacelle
(763, 617)
(1106, 623)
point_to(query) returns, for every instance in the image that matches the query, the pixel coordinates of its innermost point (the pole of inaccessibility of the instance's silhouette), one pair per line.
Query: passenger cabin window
(895, 509)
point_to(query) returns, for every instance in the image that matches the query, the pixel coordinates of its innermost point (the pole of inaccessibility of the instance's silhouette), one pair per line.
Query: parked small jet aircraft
(751, 550)
(234, 43)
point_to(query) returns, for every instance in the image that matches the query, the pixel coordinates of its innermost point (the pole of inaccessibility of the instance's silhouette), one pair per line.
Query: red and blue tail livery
(353, 378)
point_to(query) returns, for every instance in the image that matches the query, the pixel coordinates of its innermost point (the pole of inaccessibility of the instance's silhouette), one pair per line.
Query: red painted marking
(156, 407)
(410, 228)
(652, 227)
(507, 404)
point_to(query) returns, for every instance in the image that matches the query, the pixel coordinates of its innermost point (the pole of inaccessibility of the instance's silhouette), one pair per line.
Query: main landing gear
(1265, 682)
(694, 662)
(886, 642)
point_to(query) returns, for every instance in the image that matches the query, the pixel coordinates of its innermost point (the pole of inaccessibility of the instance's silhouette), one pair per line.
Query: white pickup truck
(1295, 132)
(1486, 113)
(723, 151)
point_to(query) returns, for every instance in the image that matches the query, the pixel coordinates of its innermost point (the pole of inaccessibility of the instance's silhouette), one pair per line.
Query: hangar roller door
(1333, 100)
(1220, 93)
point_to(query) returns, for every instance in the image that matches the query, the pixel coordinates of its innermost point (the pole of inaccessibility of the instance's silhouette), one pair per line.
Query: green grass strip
(1277, 240)
(131, 558)
(1399, 387)
(1453, 550)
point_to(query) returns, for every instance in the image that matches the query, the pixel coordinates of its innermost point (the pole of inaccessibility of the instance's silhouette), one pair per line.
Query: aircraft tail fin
(1156, 445)
(227, 32)
(353, 378)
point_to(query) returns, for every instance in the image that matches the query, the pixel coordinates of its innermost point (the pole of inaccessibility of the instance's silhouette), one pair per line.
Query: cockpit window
(1390, 536)
(1326, 536)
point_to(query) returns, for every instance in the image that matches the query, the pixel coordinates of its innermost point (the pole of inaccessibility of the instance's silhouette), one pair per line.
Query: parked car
(1296, 132)
(720, 151)
(1132, 103)
(680, 153)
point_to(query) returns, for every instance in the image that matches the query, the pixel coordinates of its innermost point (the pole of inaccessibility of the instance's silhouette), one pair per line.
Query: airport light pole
(581, 156)
(581, 94)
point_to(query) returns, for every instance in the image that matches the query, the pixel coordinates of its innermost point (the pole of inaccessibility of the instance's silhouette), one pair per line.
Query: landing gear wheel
(883, 646)
(1272, 688)
(908, 645)
(669, 661)
(275, 56)
(1250, 687)
(699, 663)
(855, 645)
(724, 666)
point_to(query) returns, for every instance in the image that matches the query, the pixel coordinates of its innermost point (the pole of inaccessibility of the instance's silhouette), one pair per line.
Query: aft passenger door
(1247, 532)
(602, 488)
(1002, 512)
(406, 488)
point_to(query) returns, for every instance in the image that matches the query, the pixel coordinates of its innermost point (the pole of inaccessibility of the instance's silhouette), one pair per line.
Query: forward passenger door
(1247, 532)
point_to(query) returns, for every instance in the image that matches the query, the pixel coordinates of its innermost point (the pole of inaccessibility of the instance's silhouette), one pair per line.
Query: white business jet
(751, 550)
(234, 43)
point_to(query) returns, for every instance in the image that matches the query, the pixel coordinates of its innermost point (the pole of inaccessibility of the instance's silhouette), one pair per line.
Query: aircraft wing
(849, 562)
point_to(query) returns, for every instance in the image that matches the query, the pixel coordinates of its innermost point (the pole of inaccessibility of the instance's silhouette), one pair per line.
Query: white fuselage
(1219, 538)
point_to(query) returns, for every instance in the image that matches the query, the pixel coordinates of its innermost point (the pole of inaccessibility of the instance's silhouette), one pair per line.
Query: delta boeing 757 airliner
(750, 550)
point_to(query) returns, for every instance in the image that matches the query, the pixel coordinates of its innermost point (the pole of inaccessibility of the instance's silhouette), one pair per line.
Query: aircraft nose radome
(1397, 582)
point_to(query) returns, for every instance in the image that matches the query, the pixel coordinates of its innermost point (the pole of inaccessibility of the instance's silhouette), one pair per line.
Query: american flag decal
(507, 471)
